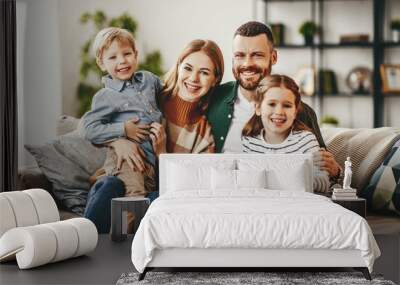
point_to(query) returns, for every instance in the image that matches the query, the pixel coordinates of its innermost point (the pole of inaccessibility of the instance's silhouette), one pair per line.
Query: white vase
(396, 36)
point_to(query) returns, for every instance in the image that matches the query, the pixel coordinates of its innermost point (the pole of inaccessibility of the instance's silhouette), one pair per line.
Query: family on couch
(258, 112)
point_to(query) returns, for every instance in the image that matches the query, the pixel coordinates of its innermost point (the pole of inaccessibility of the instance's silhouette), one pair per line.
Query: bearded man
(231, 106)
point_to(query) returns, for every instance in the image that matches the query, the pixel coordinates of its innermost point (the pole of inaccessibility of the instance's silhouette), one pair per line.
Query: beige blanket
(366, 147)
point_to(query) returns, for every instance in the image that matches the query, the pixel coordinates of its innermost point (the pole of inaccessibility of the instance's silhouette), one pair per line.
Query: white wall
(39, 82)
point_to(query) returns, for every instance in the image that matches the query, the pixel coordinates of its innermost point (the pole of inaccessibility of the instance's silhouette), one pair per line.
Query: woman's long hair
(254, 126)
(212, 50)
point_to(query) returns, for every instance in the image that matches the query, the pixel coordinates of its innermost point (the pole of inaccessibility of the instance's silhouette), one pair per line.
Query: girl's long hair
(212, 50)
(254, 126)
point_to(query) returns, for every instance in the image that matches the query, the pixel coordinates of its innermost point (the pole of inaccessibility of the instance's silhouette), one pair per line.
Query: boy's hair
(253, 29)
(211, 49)
(106, 36)
(254, 126)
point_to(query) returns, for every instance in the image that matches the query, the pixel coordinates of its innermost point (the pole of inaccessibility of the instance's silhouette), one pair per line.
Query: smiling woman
(186, 94)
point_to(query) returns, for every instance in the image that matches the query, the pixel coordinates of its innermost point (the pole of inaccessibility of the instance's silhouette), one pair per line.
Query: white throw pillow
(284, 172)
(183, 178)
(235, 179)
(223, 179)
(193, 175)
(251, 178)
(292, 179)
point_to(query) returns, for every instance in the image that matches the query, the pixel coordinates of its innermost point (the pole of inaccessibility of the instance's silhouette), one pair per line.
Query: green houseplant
(395, 26)
(309, 29)
(329, 122)
(89, 69)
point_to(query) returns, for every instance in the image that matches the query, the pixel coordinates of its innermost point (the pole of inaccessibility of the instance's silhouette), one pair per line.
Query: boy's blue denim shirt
(120, 101)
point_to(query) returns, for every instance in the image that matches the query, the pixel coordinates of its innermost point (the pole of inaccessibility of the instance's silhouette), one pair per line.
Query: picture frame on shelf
(390, 75)
(305, 78)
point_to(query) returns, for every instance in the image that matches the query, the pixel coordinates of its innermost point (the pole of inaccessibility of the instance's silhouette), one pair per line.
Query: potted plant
(329, 122)
(308, 29)
(395, 26)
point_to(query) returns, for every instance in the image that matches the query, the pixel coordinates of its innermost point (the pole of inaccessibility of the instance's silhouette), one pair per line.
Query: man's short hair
(253, 28)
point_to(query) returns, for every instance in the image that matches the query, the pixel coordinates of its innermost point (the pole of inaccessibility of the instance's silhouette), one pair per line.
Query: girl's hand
(130, 152)
(136, 132)
(329, 163)
(158, 138)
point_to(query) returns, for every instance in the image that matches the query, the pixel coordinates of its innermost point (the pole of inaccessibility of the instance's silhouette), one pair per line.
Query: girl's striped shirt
(296, 142)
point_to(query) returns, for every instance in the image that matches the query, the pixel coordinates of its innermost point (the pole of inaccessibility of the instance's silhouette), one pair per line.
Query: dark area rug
(228, 278)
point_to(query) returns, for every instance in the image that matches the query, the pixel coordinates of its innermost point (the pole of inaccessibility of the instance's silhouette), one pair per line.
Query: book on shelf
(327, 82)
(354, 38)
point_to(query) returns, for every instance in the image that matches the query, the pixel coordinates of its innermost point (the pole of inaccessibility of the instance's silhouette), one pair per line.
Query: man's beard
(251, 86)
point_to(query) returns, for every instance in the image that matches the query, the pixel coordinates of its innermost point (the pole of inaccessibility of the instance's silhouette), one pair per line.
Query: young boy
(124, 108)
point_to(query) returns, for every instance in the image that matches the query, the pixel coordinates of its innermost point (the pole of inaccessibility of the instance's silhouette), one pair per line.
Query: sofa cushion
(67, 162)
(66, 124)
(366, 147)
(383, 191)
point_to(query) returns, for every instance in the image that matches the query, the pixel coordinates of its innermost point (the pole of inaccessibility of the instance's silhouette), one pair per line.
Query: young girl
(275, 128)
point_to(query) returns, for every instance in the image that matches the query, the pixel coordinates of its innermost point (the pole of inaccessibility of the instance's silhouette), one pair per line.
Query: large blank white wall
(39, 73)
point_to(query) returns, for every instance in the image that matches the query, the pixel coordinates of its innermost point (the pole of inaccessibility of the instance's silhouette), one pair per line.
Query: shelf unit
(377, 46)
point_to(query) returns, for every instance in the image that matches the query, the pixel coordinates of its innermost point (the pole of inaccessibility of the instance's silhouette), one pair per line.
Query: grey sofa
(367, 147)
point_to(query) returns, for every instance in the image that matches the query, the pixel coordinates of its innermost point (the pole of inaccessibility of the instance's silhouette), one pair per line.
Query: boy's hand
(136, 132)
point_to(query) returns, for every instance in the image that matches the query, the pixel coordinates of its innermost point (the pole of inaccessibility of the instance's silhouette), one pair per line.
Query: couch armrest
(33, 178)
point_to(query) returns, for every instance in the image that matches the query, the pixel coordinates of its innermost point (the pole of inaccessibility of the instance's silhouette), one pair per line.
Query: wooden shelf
(326, 46)
(391, 95)
(346, 95)
(390, 44)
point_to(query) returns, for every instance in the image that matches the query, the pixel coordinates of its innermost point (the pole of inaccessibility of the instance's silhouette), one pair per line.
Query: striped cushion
(366, 147)
(383, 191)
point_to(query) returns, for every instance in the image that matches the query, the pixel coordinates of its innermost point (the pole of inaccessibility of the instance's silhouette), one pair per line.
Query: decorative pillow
(183, 178)
(235, 179)
(251, 179)
(289, 172)
(66, 124)
(223, 179)
(366, 147)
(383, 191)
(67, 163)
(188, 174)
